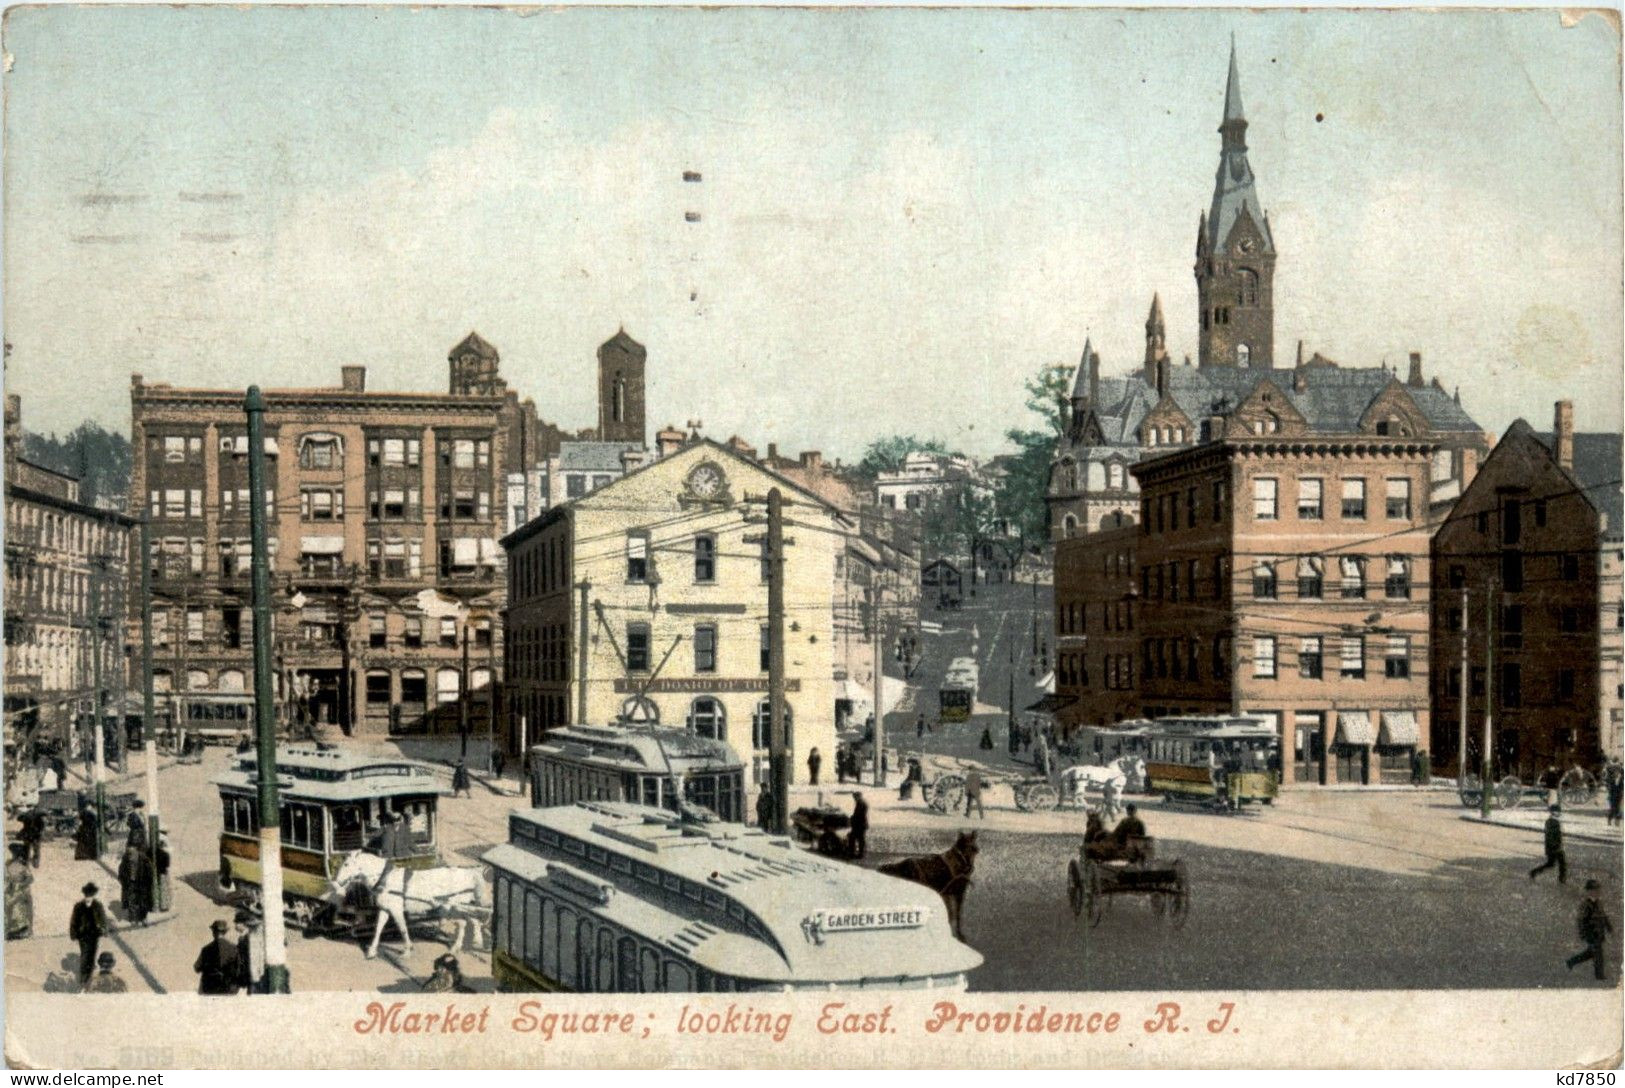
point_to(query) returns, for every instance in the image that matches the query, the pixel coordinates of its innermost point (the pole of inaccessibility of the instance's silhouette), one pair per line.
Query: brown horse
(948, 874)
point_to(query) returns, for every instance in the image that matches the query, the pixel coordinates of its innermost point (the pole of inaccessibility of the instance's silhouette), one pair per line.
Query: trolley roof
(1215, 727)
(638, 748)
(733, 899)
(330, 774)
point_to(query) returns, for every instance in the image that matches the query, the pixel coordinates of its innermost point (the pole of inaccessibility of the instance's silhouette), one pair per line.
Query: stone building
(67, 580)
(646, 601)
(386, 511)
(1530, 557)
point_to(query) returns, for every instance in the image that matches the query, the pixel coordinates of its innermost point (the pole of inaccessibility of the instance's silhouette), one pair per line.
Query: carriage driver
(1130, 834)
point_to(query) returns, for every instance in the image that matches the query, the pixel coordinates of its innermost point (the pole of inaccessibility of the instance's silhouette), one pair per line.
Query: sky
(902, 213)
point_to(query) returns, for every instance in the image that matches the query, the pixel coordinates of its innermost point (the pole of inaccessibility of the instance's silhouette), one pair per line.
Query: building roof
(662, 749)
(1597, 463)
(476, 344)
(593, 456)
(327, 773)
(1234, 194)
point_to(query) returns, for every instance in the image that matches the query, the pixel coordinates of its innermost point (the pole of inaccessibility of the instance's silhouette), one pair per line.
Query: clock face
(1247, 245)
(705, 481)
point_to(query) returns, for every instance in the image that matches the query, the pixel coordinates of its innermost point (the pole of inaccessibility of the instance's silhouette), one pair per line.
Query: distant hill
(100, 457)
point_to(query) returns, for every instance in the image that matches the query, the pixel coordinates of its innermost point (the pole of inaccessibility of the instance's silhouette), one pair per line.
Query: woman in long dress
(135, 885)
(19, 894)
(84, 839)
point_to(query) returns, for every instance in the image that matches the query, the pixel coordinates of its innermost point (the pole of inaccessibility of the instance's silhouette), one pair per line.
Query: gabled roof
(476, 344)
(1597, 463)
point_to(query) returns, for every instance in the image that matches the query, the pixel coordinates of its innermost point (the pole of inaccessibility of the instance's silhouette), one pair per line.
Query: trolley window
(239, 815)
(626, 966)
(606, 962)
(534, 934)
(678, 978)
(302, 826)
(584, 933)
(565, 968)
(649, 972)
(556, 923)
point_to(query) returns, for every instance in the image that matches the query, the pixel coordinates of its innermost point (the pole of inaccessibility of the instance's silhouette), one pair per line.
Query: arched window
(1249, 287)
(1244, 355)
(1069, 526)
(620, 399)
(447, 686)
(760, 722)
(1114, 476)
(197, 680)
(707, 718)
(319, 449)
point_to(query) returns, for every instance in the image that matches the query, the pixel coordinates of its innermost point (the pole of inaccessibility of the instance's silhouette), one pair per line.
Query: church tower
(1235, 254)
(621, 361)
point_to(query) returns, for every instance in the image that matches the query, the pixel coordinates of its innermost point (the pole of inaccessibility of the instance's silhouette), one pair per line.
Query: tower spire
(1232, 88)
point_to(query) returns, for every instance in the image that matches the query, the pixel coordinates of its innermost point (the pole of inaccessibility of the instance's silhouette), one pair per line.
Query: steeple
(1235, 253)
(1156, 340)
(1085, 388)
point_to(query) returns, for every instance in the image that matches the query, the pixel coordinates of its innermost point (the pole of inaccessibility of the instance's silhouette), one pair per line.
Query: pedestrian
(137, 825)
(244, 745)
(217, 966)
(919, 727)
(857, 839)
(135, 885)
(459, 780)
(88, 926)
(987, 740)
(973, 793)
(840, 764)
(85, 838)
(1110, 794)
(32, 834)
(1614, 780)
(1130, 834)
(1554, 848)
(764, 808)
(160, 866)
(447, 977)
(60, 769)
(19, 894)
(250, 954)
(814, 761)
(1549, 781)
(499, 762)
(106, 982)
(1594, 925)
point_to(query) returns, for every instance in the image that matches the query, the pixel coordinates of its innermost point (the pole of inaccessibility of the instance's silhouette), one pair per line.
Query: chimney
(812, 461)
(1469, 466)
(772, 453)
(1415, 380)
(1563, 434)
(1300, 352)
(669, 440)
(354, 379)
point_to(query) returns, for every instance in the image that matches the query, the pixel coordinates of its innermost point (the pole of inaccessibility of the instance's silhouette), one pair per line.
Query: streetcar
(637, 763)
(613, 897)
(1103, 744)
(1226, 760)
(332, 804)
(958, 695)
(207, 717)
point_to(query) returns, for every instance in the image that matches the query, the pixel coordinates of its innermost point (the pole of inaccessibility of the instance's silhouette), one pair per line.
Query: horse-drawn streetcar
(1222, 761)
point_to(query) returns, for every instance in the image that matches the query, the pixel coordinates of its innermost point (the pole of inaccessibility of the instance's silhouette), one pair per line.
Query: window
(1511, 571)
(1218, 501)
(1309, 658)
(447, 686)
(320, 451)
(637, 557)
(1264, 657)
(1264, 498)
(1568, 568)
(412, 636)
(705, 558)
(376, 631)
(1540, 513)
(1353, 572)
(1396, 663)
(706, 718)
(575, 485)
(1511, 685)
(1173, 580)
(1512, 626)
(378, 690)
(705, 648)
(1190, 508)
(1511, 521)
(1352, 658)
(637, 647)
(175, 449)
(1310, 498)
(1264, 581)
(1398, 584)
(194, 625)
(448, 631)
(321, 504)
(1311, 577)
(760, 723)
(1565, 685)
(767, 648)
(1458, 576)
(1569, 620)
(231, 628)
(1399, 499)
(1354, 498)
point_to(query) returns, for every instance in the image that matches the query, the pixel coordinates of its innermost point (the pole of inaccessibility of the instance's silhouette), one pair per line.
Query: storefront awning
(1399, 728)
(1051, 702)
(1354, 727)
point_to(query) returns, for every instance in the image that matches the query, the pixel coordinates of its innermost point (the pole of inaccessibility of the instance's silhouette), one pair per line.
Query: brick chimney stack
(1415, 380)
(353, 379)
(812, 461)
(669, 440)
(1563, 434)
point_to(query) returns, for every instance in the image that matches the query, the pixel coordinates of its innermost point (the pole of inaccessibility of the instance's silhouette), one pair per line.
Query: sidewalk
(1585, 826)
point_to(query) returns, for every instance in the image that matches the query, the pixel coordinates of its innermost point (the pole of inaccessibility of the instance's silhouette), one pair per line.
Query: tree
(101, 458)
(1020, 496)
(886, 454)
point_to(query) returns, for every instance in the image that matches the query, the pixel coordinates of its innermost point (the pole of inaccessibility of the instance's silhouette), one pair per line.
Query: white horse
(1082, 778)
(453, 892)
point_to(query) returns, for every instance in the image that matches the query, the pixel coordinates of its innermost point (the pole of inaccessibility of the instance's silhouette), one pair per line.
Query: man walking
(857, 838)
(1613, 779)
(219, 970)
(1554, 848)
(88, 926)
(250, 953)
(814, 761)
(973, 793)
(1594, 925)
(137, 825)
(32, 834)
(19, 894)
(919, 727)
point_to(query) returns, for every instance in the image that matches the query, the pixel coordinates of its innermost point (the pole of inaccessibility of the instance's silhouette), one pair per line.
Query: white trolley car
(613, 897)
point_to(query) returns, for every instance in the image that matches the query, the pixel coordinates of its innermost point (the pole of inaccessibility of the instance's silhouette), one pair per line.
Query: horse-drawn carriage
(946, 791)
(822, 826)
(1577, 787)
(1107, 868)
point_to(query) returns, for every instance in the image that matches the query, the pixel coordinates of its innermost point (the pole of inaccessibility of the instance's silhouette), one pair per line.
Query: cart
(946, 792)
(822, 826)
(1102, 871)
(61, 811)
(1577, 787)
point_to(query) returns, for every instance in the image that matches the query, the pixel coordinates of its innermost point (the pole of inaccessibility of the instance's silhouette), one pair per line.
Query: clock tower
(1235, 254)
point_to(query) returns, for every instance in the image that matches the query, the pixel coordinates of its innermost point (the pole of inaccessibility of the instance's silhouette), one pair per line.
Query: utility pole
(876, 633)
(581, 656)
(1489, 699)
(98, 731)
(1461, 741)
(462, 704)
(778, 742)
(149, 740)
(1010, 722)
(491, 697)
(270, 814)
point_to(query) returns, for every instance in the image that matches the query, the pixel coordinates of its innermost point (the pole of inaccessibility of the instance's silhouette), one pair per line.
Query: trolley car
(332, 805)
(620, 898)
(1222, 760)
(957, 698)
(623, 763)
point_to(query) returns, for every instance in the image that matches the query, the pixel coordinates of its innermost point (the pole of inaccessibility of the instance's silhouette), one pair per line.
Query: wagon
(1101, 872)
(822, 826)
(1577, 787)
(946, 792)
(61, 811)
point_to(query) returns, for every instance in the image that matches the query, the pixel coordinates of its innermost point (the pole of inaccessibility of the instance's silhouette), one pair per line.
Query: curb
(1580, 834)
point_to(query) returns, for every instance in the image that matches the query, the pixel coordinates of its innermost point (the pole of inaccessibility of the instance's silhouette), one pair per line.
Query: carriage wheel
(1470, 790)
(949, 794)
(1023, 799)
(1179, 901)
(1509, 791)
(1042, 797)
(1074, 888)
(1093, 899)
(1579, 787)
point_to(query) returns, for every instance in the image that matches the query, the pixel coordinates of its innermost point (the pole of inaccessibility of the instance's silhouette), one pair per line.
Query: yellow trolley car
(1223, 760)
(332, 805)
(957, 699)
(611, 897)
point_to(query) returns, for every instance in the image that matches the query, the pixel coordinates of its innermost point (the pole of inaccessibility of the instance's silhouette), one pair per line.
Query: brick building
(1536, 538)
(386, 511)
(67, 576)
(1097, 652)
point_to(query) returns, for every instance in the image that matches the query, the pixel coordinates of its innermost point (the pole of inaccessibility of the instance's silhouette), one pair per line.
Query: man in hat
(447, 977)
(85, 839)
(250, 953)
(1554, 848)
(764, 807)
(32, 834)
(137, 823)
(1594, 925)
(88, 926)
(460, 783)
(219, 970)
(106, 982)
(857, 838)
